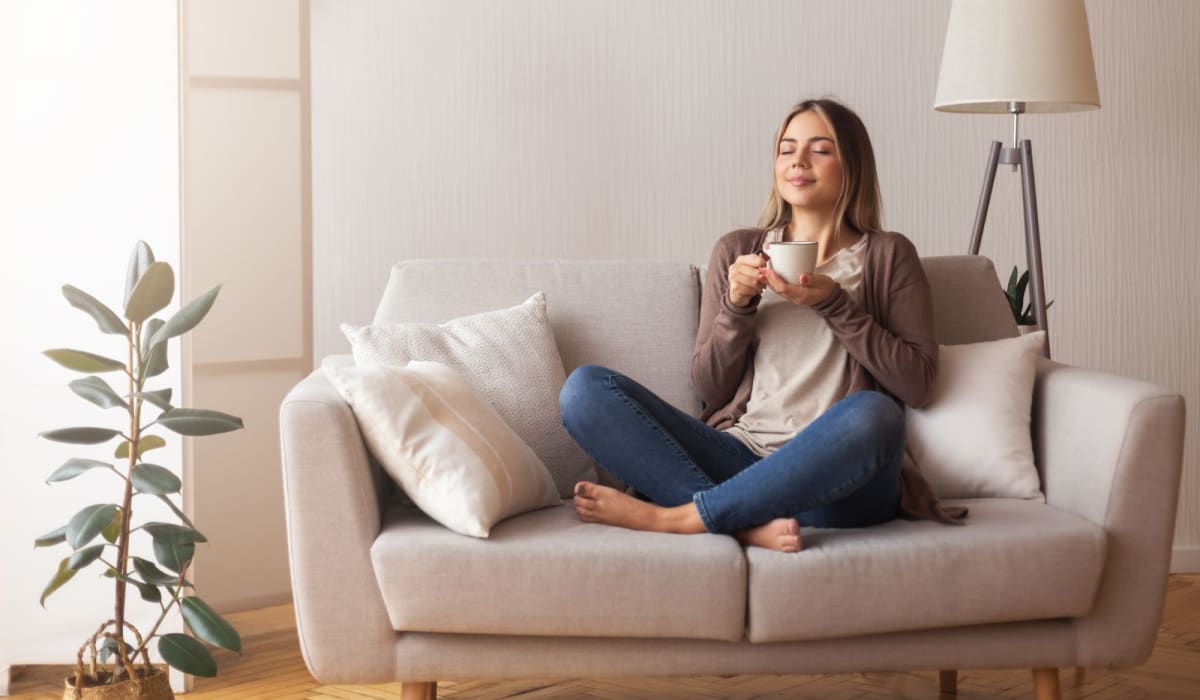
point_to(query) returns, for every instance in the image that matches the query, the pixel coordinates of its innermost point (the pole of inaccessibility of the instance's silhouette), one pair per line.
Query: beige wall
(642, 129)
(246, 226)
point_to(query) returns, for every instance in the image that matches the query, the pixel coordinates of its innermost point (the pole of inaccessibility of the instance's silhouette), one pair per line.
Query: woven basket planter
(152, 685)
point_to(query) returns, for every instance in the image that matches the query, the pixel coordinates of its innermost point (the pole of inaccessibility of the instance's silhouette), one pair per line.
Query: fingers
(745, 278)
(809, 289)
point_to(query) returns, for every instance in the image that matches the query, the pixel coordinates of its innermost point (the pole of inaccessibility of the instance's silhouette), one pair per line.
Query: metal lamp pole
(1019, 156)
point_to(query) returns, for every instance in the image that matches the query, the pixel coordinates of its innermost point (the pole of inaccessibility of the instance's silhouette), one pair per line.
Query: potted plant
(1021, 311)
(103, 534)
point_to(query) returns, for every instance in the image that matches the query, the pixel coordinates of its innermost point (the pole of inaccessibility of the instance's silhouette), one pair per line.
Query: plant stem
(167, 608)
(135, 334)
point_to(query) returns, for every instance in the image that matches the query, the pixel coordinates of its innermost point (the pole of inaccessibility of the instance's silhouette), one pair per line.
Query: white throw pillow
(442, 442)
(973, 439)
(510, 357)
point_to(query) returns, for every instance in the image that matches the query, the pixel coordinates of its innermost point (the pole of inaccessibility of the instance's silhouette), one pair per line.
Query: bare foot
(781, 534)
(601, 504)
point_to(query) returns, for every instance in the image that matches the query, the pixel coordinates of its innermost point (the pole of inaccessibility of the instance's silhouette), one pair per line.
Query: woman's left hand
(808, 291)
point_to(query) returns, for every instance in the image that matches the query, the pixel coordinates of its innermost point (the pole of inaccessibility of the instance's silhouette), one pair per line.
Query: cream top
(800, 368)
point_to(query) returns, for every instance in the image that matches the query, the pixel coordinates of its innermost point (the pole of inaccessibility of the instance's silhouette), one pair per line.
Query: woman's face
(808, 171)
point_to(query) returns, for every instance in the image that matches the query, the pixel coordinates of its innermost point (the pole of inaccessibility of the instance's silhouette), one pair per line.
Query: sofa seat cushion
(548, 573)
(1012, 560)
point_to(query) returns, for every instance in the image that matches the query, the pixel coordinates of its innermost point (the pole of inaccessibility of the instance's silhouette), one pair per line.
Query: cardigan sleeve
(900, 352)
(726, 331)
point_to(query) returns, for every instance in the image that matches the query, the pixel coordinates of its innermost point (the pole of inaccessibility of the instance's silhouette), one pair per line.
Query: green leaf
(81, 436)
(145, 444)
(107, 648)
(85, 556)
(208, 625)
(88, 523)
(74, 467)
(154, 356)
(175, 557)
(178, 512)
(1011, 289)
(186, 654)
(81, 361)
(152, 293)
(112, 573)
(149, 593)
(199, 421)
(110, 648)
(113, 530)
(160, 398)
(173, 534)
(1022, 285)
(104, 317)
(52, 538)
(140, 259)
(152, 574)
(156, 362)
(154, 480)
(63, 575)
(186, 318)
(97, 391)
(148, 330)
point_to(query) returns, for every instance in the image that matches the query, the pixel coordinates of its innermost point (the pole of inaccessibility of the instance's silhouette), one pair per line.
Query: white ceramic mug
(790, 259)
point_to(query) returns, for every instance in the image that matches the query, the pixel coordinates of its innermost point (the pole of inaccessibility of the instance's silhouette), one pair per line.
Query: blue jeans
(843, 470)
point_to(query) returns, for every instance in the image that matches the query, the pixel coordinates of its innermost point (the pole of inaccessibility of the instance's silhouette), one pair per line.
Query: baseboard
(253, 602)
(5, 679)
(1185, 560)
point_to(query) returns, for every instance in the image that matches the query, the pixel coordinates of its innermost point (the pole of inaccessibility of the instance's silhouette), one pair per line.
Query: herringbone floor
(271, 668)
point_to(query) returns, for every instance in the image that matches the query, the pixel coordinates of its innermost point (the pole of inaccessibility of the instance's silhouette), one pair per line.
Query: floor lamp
(1017, 56)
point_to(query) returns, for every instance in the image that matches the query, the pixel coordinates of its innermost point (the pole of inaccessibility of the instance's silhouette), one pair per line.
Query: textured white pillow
(510, 357)
(444, 444)
(973, 440)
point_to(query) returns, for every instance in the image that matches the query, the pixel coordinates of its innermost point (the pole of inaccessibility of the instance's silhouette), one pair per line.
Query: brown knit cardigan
(889, 339)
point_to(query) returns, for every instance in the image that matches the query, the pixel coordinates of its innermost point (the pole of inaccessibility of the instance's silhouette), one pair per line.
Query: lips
(800, 181)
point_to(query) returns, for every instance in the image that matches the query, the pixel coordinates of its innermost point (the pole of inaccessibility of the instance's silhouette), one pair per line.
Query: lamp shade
(1032, 51)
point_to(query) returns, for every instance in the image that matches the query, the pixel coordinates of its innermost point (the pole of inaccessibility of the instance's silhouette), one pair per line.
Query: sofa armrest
(1110, 449)
(333, 517)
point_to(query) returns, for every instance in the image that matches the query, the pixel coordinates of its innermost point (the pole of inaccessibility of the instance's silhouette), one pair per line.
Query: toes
(791, 527)
(585, 489)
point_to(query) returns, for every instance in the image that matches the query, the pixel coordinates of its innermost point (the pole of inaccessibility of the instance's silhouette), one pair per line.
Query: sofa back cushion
(969, 305)
(636, 317)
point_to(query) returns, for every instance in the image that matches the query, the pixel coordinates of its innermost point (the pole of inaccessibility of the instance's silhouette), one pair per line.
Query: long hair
(859, 204)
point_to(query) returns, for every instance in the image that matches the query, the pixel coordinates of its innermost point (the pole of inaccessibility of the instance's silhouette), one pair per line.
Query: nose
(799, 159)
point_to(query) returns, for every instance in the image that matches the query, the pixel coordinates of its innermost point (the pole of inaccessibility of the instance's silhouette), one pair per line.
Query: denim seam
(650, 421)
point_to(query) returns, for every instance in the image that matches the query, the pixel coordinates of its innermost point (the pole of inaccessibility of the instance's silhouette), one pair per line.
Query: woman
(802, 384)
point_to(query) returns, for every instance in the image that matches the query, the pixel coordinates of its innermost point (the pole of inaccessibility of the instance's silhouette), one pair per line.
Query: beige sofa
(383, 593)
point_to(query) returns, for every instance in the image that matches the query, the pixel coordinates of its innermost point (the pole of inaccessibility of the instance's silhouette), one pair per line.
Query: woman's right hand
(746, 278)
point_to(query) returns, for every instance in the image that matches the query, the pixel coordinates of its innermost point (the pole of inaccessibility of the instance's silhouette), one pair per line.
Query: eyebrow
(811, 140)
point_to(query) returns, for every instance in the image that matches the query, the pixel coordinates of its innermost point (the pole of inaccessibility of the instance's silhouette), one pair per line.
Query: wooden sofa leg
(1045, 684)
(948, 682)
(418, 691)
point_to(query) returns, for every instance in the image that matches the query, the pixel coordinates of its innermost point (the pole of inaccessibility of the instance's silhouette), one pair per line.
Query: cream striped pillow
(444, 444)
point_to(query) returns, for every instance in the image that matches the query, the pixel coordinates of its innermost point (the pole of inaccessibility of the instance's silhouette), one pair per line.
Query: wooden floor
(272, 668)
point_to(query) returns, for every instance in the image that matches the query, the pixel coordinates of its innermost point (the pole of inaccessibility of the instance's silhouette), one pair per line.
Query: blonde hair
(859, 205)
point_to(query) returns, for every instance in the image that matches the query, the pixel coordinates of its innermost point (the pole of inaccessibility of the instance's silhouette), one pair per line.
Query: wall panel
(244, 218)
(233, 38)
